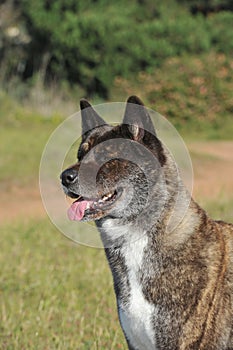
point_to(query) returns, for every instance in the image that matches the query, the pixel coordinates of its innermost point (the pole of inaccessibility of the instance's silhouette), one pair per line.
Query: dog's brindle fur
(174, 289)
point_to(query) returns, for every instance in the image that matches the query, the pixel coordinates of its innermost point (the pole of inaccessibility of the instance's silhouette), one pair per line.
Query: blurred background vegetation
(175, 54)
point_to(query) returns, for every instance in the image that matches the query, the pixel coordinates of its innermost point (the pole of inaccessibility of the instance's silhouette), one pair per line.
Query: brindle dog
(174, 288)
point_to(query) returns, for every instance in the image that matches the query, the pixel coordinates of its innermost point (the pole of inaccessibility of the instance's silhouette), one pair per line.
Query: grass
(220, 209)
(58, 295)
(201, 156)
(23, 135)
(54, 294)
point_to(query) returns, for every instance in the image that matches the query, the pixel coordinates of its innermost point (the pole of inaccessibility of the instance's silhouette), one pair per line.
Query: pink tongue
(77, 209)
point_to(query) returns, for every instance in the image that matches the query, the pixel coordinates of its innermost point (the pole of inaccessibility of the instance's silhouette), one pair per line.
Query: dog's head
(116, 165)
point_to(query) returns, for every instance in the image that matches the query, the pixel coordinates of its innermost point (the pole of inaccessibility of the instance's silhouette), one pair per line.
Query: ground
(213, 168)
(56, 295)
(212, 165)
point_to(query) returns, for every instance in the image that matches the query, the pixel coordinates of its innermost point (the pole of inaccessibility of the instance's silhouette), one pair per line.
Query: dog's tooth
(88, 206)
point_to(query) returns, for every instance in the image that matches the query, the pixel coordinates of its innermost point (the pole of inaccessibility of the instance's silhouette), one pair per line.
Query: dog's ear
(137, 119)
(90, 118)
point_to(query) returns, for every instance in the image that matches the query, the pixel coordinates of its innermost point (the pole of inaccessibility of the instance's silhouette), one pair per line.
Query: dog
(174, 288)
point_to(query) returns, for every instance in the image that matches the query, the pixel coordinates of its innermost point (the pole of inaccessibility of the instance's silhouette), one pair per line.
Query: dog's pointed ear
(137, 118)
(90, 118)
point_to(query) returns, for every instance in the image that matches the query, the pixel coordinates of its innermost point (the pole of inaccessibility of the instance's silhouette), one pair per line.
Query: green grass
(54, 294)
(23, 135)
(220, 209)
(203, 157)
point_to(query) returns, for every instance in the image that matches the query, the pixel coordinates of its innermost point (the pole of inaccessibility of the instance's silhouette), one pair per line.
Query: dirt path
(213, 176)
(213, 168)
(21, 203)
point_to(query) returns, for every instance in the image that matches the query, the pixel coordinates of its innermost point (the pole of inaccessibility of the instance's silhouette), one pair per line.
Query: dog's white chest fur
(136, 316)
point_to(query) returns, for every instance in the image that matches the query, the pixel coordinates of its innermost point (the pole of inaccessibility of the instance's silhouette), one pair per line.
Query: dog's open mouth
(91, 207)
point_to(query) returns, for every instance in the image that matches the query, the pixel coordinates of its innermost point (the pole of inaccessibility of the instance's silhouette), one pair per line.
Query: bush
(89, 43)
(221, 35)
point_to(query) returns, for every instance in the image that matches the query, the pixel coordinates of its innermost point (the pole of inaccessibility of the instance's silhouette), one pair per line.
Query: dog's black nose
(69, 176)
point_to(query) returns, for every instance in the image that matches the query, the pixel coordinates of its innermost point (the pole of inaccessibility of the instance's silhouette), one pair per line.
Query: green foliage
(222, 36)
(195, 93)
(90, 43)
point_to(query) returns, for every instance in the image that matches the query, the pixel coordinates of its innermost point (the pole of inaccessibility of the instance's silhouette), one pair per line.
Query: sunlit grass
(23, 136)
(59, 295)
(219, 209)
(54, 294)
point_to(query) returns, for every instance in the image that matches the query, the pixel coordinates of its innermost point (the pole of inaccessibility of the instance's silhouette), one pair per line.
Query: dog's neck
(119, 233)
(169, 207)
(138, 251)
